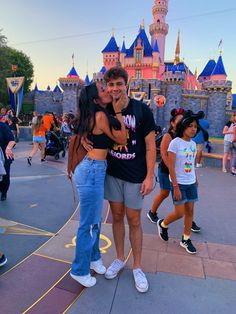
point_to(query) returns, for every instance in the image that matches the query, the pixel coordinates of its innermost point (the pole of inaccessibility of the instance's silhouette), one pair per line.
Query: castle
(150, 75)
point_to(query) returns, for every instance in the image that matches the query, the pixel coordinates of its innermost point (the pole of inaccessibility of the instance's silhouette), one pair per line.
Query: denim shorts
(227, 147)
(189, 193)
(120, 191)
(164, 180)
(39, 139)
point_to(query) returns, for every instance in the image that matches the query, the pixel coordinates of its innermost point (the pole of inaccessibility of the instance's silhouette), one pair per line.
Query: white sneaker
(140, 279)
(98, 267)
(198, 165)
(114, 269)
(86, 281)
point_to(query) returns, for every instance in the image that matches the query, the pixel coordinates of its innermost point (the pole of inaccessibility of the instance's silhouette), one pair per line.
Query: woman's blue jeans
(89, 177)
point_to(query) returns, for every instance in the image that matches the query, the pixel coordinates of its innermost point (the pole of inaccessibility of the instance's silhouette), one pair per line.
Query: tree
(8, 57)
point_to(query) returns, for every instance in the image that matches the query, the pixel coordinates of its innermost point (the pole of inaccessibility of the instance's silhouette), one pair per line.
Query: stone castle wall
(48, 101)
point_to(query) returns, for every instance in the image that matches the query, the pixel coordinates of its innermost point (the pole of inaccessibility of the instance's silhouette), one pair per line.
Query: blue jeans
(89, 178)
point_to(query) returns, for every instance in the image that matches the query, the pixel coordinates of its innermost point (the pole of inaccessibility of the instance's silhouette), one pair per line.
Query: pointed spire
(87, 80)
(195, 73)
(123, 49)
(143, 24)
(156, 48)
(219, 68)
(177, 50)
(111, 46)
(73, 59)
(48, 88)
(36, 87)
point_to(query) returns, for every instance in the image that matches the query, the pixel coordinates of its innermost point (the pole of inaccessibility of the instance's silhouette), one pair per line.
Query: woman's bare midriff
(98, 154)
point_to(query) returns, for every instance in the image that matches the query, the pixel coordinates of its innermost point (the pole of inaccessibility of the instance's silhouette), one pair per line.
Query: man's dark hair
(114, 73)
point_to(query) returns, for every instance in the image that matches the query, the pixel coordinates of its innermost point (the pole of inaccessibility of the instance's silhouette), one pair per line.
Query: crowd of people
(118, 136)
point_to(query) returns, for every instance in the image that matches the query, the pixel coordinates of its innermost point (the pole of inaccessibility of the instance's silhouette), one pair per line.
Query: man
(130, 175)
(200, 139)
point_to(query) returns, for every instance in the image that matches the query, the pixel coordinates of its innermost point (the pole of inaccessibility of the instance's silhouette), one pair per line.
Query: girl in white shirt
(181, 159)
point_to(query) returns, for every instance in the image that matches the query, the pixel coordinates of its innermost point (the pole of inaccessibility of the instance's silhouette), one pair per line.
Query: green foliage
(8, 57)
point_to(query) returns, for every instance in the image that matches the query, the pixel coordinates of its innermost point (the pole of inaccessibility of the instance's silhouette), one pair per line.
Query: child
(181, 159)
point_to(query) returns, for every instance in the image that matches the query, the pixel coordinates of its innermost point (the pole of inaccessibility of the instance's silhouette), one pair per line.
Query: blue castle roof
(219, 68)
(103, 70)
(123, 49)
(72, 72)
(156, 48)
(48, 88)
(111, 46)
(234, 101)
(57, 89)
(181, 67)
(145, 43)
(208, 68)
(36, 88)
(87, 80)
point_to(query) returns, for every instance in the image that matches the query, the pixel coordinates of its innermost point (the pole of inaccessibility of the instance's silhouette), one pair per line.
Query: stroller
(54, 145)
(159, 136)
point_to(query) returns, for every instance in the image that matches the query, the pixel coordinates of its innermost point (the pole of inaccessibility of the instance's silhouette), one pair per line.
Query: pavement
(38, 225)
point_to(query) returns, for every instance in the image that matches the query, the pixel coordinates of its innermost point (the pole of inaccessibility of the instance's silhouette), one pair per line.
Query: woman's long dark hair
(85, 119)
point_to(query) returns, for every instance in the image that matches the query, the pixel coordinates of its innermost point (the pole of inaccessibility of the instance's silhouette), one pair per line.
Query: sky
(50, 31)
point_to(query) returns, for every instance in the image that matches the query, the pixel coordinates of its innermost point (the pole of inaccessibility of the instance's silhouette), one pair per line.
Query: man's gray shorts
(120, 191)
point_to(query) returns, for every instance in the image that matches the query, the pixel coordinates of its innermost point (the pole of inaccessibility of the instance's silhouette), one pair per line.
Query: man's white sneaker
(140, 279)
(98, 267)
(86, 281)
(114, 269)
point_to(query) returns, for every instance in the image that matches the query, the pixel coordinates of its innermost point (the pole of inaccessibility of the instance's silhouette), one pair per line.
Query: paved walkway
(38, 224)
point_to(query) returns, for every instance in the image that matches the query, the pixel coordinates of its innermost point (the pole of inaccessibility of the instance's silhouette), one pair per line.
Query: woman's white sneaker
(86, 281)
(114, 269)
(98, 267)
(140, 279)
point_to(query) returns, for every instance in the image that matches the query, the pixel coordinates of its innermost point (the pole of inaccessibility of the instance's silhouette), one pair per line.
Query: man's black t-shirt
(129, 162)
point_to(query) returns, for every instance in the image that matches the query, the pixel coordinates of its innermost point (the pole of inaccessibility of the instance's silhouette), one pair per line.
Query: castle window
(138, 55)
(138, 74)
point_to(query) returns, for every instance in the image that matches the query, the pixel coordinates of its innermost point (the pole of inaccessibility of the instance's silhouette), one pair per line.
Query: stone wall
(48, 101)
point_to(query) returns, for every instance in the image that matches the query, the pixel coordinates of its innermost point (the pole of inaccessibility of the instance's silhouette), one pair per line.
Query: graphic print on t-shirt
(190, 156)
(122, 151)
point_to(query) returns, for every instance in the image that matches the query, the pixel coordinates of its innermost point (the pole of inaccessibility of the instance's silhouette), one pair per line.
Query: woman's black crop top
(101, 141)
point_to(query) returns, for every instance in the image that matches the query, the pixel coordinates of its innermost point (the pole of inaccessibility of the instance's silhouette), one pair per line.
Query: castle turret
(156, 60)
(159, 28)
(216, 114)
(177, 50)
(205, 75)
(71, 85)
(111, 54)
(218, 72)
(123, 54)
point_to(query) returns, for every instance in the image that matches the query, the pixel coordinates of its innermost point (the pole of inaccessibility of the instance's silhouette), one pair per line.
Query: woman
(39, 140)
(6, 143)
(228, 139)
(13, 123)
(103, 130)
(181, 159)
(163, 171)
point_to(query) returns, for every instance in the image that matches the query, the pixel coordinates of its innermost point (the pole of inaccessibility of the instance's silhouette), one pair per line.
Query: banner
(15, 90)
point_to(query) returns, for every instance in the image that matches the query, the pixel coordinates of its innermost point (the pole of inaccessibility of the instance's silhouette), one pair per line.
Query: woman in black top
(163, 172)
(6, 143)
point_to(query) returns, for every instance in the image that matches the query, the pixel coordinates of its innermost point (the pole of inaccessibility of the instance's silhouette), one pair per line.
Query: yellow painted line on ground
(36, 302)
(52, 258)
(42, 244)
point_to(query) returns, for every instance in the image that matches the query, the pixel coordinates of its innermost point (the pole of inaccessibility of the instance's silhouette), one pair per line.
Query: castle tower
(123, 54)
(156, 60)
(71, 85)
(218, 72)
(159, 28)
(216, 114)
(111, 54)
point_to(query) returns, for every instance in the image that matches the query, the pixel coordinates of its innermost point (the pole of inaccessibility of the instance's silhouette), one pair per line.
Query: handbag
(76, 154)
(2, 161)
